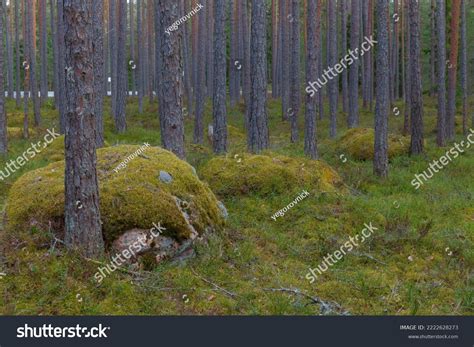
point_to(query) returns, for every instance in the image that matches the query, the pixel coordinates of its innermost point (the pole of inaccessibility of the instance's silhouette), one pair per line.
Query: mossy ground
(405, 268)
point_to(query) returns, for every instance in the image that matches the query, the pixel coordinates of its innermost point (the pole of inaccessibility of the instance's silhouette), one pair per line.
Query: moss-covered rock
(359, 144)
(267, 174)
(130, 197)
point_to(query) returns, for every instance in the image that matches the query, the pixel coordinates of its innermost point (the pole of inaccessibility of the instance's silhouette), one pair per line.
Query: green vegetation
(420, 261)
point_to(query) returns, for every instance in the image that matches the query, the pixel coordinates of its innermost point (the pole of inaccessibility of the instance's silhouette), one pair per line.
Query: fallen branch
(232, 295)
(327, 307)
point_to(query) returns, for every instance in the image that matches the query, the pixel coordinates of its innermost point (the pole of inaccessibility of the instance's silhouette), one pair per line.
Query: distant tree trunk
(396, 51)
(295, 86)
(403, 30)
(200, 87)
(150, 65)
(3, 116)
(258, 136)
(26, 67)
(353, 120)
(121, 68)
(274, 48)
(433, 49)
(219, 97)
(406, 118)
(233, 54)
(99, 68)
(246, 62)
(82, 215)
(345, 100)
(187, 60)
(141, 60)
(132, 48)
(453, 68)
(17, 51)
(32, 63)
(416, 99)
(463, 66)
(382, 92)
(43, 51)
(334, 83)
(441, 39)
(61, 67)
(371, 56)
(285, 86)
(113, 27)
(9, 47)
(171, 110)
(54, 40)
(365, 58)
(313, 25)
(210, 47)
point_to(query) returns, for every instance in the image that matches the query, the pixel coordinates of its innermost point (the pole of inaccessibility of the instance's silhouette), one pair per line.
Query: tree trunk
(463, 66)
(141, 60)
(382, 92)
(246, 61)
(3, 116)
(313, 25)
(433, 49)
(345, 100)
(416, 100)
(8, 43)
(17, 51)
(333, 83)
(99, 66)
(32, 63)
(82, 215)
(258, 136)
(113, 27)
(132, 62)
(61, 67)
(353, 120)
(54, 48)
(219, 97)
(43, 51)
(406, 118)
(285, 87)
(295, 68)
(171, 110)
(200, 81)
(441, 38)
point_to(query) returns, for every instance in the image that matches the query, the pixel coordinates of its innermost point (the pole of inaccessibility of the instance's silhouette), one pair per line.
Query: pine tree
(353, 119)
(441, 60)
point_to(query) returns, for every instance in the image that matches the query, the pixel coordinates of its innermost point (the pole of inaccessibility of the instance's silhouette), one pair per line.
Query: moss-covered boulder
(267, 174)
(154, 187)
(359, 144)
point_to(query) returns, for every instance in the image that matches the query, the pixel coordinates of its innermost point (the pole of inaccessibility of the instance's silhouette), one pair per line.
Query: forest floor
(419, 261)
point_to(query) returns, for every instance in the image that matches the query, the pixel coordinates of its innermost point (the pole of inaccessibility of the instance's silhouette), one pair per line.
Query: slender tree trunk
(200, 81)
(219, 97)
(17, 51)
(285, 97)
(433, 49)
(171, 110)
(43, 51)
(3, 116)
(121, 68)
(82, 215)
(141, 60)
(246, 62)
(416, 99)
(61, 67)
(187, 60)
(334, 83)
(441, 38)
(463, 66)
(453, 68)
(295, 86)
(313, 25)
(32, 63)
(55, 53)
(382, 92)
(26, 67)
(345, 99)
(210, 48)
(151, 49)
(133, 59)
(99, 68)
(9, 47)
(406, 119)
(274, 48)
(258, 136)
(113, 28)
(353, 120)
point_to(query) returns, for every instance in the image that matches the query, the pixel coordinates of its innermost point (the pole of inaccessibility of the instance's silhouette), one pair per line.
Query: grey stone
(165, 177)
(223, 210)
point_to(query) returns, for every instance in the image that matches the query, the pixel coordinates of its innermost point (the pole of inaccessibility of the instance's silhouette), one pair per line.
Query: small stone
(223, 210)
(410, 258)
(165, 177)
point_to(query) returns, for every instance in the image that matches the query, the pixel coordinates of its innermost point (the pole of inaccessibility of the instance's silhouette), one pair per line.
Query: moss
(359, 143)
(132, 197)
(17, 133)
(268, 174)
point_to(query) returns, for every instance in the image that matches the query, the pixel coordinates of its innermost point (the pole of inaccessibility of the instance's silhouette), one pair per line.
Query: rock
(165, 177)
(224, 212)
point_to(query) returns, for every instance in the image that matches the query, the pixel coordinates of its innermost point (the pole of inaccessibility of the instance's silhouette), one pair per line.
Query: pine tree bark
(132, 61)
(113, 28)
(382, 92)
(285, 87)
(313, 25)
(141, 60)
(295, 84)
(463, 66)
(99, 69)
(258, 136)
(219, 98)
(201, 81)
(433, 49)
(82, 215)
(416, 100)
(9, 48)
(171, 110)
(17, 51)
(32, 63)
(246, 60)
(333, 83)
(345, 96)
(353, 119)
(3, 116)
(441, 82)
(452, 69)
(121, 68)
(55, 53)
(61, 67)
(43, 51)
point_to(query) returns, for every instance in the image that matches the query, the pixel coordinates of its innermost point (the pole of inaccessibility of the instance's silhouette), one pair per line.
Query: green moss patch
(131, 197)
(359, 144)
(267, 174)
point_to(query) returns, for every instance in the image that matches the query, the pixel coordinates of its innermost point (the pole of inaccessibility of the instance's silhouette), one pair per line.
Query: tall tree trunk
(151, 49)
(463, 66)
(345, 99)
(171, 110)
(353, 120)
(219, 97)
(141, 60)
(99, 68)
(382, 92)
(43, 51)
(295, 86)
(433, 49)
(32, 63)
(133, 61)
(441, 38)
(416, 99)
(258, 136)
(55, 53)
(406, 118)
(26, 67)
(246, 61)
(9, 47)
(121, 68)
(274, 48)
(233, 55)
(453, 68)
(285, 27)
(61, 67)
(82, 215)
(113, 54)
(210, 48)
(3, 116)
(200, 81)
(396, 51)
(17, 51)
(313, 25)
(187, 60)
(333, 83)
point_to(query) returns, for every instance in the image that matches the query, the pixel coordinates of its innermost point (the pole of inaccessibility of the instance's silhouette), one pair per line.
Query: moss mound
(17, 133)
(359, 143)
(154, 187)
(267, 174)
